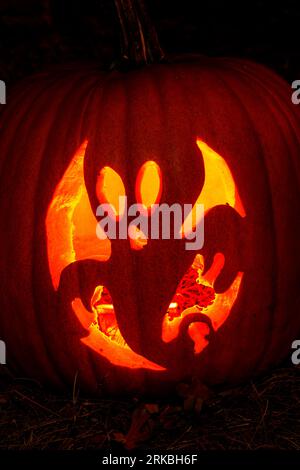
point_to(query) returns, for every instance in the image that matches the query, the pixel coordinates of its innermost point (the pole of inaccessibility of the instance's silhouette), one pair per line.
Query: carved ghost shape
(142, 282)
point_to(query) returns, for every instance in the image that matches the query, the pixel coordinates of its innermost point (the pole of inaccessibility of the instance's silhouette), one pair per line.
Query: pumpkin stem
(140, 45)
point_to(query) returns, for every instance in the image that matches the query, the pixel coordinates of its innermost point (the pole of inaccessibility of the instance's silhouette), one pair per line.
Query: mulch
(261, 414)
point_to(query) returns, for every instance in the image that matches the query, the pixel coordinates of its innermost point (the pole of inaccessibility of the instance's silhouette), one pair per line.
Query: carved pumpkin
(136, 314)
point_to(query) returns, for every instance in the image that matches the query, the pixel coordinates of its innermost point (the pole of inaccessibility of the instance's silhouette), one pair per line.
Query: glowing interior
(196, 294)
(219, 187)
(117, 352)
(110, 188)
(70, 222)
(148, 184)
(137, 238)
(71, 236)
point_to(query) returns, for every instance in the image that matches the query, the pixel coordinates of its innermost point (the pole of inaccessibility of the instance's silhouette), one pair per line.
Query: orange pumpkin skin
(241, 110)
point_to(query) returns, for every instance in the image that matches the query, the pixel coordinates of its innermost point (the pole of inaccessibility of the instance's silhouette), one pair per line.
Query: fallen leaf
(170, 416)
(194, 395)
(120, 437)
(152, 408)
(141, 427)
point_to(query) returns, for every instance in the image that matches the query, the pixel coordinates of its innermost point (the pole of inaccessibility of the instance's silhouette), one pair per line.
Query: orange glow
(219, 187)
(117, 354)
(70, 222)
(71, 235)
(137, 238)
(217, 310)
(148, 186)
(104, 335)
(110, 188)
(103, 309)
(198, 332)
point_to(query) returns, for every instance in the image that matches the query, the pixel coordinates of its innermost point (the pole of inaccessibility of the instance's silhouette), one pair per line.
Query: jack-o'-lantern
(140, 313)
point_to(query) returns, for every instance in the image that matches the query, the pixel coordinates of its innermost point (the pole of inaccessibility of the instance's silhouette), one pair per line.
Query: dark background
(34, 33)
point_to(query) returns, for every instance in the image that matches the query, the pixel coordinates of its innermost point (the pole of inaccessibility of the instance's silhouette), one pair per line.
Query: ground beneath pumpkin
(264, 414)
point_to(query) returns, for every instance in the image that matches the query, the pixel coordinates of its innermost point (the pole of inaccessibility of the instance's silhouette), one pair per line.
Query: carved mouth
(203, 312)
(185, 315)
(196, 310)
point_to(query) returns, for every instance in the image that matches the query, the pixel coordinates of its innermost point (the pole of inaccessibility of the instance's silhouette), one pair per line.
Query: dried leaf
(152, 408)
(169, 417)
(119, 437)
(141, 428)
(194, 395)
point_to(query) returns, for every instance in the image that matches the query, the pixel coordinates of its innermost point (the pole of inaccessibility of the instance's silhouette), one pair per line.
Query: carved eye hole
(148, 186)
(109, 189)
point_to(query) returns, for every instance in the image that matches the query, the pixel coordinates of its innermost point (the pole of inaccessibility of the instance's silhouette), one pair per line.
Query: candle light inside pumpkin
(192, 291)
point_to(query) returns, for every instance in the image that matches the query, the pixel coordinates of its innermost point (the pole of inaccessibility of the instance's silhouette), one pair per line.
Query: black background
(35, 33)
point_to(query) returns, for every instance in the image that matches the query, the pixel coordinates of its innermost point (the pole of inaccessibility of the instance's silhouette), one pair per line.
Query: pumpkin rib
(208, 98)
(261, 359)
(222, 87)
(129, 144)
(98, 368)
(11, 250)
(69, 362)
(111, 378)
(290, 133)
(49, 121)
(278, 98)
(238, 96)
(33, 134)
(285, 133)
(9, 131)
(112, 134)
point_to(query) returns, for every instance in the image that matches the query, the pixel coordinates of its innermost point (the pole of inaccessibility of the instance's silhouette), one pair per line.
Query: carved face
(133, 314)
